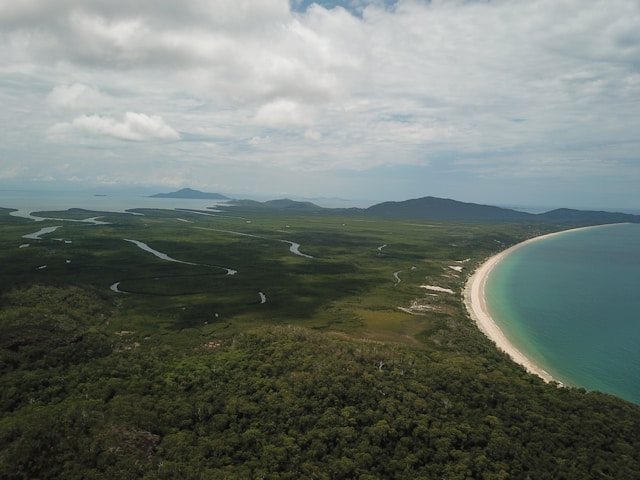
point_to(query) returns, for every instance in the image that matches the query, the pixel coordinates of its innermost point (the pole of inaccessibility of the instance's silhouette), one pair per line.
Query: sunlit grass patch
(382, 320)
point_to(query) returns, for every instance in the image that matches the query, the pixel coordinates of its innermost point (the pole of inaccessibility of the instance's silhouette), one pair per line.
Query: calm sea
(29, 201)
(34, 201)
(571, 303)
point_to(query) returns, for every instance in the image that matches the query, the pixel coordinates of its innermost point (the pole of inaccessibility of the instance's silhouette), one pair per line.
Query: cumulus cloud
(76, 97)
(283, 113)
(376, 84)
(134, 126)
(248, 48)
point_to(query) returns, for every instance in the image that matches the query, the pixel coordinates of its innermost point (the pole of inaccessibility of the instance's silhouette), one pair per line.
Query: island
(191, 194)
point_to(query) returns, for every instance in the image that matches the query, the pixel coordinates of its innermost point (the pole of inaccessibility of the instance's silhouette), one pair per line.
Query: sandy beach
(474, 299)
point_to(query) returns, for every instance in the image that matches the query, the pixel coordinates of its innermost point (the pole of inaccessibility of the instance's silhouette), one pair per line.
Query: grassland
(348, 286)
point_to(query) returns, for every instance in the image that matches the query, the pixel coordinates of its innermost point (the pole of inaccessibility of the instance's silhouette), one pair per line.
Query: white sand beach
(474, 299)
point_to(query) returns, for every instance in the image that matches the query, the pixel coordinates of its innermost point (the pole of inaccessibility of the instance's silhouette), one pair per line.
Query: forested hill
(443, 209)
(432, 208)
(567, 214)
(281, 204)
(191, 194)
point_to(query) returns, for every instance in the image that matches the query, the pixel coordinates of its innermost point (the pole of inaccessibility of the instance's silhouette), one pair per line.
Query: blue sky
(496, 101)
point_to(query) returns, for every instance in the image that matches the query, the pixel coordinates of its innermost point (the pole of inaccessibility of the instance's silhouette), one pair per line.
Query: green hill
(432, 208)
(282, 204)
(192, 194)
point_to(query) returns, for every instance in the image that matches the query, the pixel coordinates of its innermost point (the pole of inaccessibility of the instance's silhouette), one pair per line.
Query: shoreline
(476, 305)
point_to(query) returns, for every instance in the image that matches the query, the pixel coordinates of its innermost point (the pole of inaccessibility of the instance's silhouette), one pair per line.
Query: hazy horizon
(327, 202)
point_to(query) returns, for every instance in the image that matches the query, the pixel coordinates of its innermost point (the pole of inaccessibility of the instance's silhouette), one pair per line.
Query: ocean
(571, 304)
(26, 202)
(33, 201)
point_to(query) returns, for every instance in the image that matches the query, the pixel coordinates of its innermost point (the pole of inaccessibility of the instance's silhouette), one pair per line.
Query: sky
(503, 102)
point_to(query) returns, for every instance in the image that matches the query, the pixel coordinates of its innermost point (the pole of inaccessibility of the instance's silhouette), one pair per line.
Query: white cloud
(501, 83)
(311, 134)
(283, 113)
(11, 169)
(251, 49)
(76, 97)
(134, 126)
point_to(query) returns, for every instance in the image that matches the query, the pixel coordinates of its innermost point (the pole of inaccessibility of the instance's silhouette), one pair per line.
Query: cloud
(283, 113)
(76, 97)
(10, 170)
(251, 49)
(486, 89)
(134, 126)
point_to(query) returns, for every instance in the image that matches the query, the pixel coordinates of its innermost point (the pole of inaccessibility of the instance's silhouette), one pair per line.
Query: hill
(279, 204)
(192, 194)
(432, 208)
(588, 216)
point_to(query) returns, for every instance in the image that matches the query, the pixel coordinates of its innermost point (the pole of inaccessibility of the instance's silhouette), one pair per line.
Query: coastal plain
(240, 342)
(205, 270)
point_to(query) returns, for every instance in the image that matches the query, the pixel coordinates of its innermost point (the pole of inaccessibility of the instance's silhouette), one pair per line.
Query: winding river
(43, 231)
(293, 246)
(166, 257)
(143, 246)
(158, 254)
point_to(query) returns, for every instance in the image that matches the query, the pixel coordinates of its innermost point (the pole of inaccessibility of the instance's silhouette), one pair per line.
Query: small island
(192, 194)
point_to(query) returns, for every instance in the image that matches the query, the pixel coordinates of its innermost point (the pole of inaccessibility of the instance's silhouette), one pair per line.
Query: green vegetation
(115, 363)
(190, 193)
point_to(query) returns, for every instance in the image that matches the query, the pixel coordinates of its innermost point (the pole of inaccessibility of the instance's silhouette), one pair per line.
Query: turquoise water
(571, 303)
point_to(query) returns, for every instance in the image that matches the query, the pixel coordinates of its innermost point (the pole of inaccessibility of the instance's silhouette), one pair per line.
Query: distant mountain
(432, 208)
(279, 204)
(567, 214)
(288, 204)
(190, 193)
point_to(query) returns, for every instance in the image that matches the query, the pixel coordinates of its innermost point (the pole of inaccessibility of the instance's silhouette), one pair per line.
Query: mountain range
(425, 208)
(433, 208)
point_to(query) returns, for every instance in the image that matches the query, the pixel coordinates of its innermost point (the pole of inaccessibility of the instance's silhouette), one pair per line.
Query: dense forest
(89, 389)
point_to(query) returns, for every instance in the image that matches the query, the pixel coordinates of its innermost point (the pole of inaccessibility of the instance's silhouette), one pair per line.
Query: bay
(26, 202)
(571, 303)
